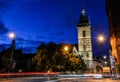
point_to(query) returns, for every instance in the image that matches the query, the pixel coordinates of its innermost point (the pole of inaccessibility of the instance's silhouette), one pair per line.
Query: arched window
(84, 34)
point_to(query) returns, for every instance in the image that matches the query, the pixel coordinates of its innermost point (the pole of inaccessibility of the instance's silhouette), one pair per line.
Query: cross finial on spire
(83, 10)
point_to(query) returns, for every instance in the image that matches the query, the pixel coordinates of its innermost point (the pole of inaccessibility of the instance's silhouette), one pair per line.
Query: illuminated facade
(84, 39)
(113, 13)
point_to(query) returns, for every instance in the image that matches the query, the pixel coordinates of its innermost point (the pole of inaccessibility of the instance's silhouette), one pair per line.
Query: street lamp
(104, 57)
(105, 62)
(12, 36)
(101, 38)
(66, 49)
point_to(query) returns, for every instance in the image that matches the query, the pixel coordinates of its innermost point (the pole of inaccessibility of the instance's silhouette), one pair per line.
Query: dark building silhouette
(113, 13)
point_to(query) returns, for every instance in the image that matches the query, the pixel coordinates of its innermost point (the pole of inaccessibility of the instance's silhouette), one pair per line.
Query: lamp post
(101, 38)
(12, 36)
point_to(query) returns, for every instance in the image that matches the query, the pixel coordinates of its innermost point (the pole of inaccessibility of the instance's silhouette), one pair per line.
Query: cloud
(20, 39)
(4, 46)
(33, 42)
(51, 36)
(3, 29)
(28, 43)
(29, 46)
(29, 49)
(4, 6)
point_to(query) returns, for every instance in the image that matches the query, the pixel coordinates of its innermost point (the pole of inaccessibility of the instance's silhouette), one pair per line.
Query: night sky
(35, 21)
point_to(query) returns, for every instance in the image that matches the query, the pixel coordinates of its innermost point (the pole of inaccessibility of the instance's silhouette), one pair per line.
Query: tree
(5, 58)
(50, 57)
(40, 57)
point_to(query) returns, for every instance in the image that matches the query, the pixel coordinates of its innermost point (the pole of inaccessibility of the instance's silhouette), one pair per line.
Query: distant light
(104, 57)
(11, 35)
(48, 71)
(66, 48)
(106, 62)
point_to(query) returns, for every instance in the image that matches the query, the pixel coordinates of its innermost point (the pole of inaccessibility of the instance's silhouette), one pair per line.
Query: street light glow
(66, 48)
(104, 57)
(106, 62)
(101, 38)
(11, 35)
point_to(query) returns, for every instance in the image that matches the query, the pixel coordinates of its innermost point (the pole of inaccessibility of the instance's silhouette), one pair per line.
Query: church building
(84, 39)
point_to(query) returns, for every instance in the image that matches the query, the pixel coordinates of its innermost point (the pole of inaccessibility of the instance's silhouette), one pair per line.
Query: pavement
(60, 78)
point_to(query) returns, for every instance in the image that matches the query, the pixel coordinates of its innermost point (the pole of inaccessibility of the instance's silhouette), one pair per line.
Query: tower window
(84, 33)
(84, 47)
(87, 55)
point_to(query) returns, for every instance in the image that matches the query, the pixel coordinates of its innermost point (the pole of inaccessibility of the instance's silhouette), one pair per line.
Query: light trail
(29, 73)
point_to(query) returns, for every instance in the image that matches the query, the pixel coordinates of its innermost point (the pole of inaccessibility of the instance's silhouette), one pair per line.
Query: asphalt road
(47, 79)
(85, 80)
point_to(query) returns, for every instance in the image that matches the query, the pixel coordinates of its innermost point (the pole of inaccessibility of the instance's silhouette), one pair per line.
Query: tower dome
(83, 18)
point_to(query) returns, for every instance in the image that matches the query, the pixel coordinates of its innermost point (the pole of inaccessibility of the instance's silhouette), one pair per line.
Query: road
(47, 79)
(85, 80)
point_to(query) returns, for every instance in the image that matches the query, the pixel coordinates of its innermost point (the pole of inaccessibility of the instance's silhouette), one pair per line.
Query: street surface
(48, 79)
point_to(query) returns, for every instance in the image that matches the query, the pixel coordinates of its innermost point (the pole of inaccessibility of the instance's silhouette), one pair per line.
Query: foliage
(51, 57)
(48, 56)
(5, 57)
(118, 69)
(20, 61)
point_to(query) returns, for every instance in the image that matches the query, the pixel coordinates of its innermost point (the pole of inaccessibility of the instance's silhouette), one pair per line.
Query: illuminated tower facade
(84, 39)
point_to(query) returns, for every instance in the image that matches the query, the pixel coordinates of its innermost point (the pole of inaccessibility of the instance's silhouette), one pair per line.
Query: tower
(84, 39)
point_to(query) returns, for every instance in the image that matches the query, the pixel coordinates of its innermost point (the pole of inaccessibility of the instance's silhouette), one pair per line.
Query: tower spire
(83, 17)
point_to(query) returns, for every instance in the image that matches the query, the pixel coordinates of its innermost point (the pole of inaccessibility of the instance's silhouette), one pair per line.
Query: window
(84, 33)
(87, 55)
(84, 47)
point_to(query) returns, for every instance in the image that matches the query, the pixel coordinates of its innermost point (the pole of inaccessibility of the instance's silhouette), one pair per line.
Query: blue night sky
(35, 21)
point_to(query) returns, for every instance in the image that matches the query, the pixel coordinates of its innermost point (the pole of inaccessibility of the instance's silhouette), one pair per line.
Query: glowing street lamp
(101, 38)
(106, 62)
(66, 48)
(104, 57)
(11, 35)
